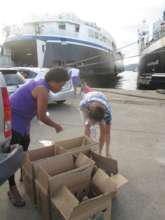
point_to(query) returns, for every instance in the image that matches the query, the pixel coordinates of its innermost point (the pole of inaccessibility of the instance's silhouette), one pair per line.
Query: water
(127, 80)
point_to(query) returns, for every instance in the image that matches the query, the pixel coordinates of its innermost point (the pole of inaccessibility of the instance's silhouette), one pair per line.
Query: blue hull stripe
(49, 38)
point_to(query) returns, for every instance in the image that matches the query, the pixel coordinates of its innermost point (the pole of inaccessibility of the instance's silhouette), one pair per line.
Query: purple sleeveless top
(24, 106)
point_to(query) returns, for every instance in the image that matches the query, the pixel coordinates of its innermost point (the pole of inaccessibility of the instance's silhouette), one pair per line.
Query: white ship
(63, 39)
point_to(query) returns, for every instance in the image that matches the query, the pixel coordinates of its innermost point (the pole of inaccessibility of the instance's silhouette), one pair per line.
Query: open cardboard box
(61, 170)
(36, 156)
(52, 169)
(73, 172)
(58, 148)
(88, 201)
(31, 163)
(78, 144)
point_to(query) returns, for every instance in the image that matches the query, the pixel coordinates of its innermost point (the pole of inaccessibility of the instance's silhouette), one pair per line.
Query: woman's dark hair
(96, 113)
(58, 74)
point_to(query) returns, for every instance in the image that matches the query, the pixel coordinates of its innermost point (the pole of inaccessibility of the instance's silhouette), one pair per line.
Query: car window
(13, 79)
(28, 74)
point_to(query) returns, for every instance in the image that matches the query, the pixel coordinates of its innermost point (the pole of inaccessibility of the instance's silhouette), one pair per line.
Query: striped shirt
(99, 97)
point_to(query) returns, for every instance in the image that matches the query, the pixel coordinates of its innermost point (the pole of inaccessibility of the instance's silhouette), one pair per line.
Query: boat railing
(158, 36)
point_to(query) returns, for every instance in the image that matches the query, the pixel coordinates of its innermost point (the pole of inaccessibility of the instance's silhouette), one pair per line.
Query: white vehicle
(9, 162)
(66, 93)
(13, 79)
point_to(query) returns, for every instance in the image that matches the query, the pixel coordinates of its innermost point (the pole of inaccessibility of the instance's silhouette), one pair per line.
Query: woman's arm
(41, 95)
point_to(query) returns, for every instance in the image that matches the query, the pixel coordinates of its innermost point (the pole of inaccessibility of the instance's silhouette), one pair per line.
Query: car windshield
(13, 79)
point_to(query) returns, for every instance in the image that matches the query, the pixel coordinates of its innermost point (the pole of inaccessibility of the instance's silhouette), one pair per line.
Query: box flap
(41, 153)
(71, 143)
(58, 164)
(87, 140)
(76, 180)
(119, 180)
(109, 165)
(42, 177)
(84, 149)
(103, 182)
(59, 150)
(65, 202)
(82, 160)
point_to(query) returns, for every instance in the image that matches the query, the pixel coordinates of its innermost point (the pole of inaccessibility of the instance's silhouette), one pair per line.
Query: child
(96, 109)
(85, 88)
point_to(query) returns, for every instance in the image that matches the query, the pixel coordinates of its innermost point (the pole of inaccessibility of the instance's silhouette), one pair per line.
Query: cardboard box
(79, 144)
(43, 204)
(109, 165)
(34, 158)
(31, 163)
(65, 205)
(56, 168)
(58, 171)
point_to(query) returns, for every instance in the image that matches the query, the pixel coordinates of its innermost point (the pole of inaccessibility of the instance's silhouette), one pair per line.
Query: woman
(27, 102)
(97, 110)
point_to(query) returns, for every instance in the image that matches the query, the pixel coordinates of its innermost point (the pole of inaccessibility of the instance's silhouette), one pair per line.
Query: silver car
(66, 92)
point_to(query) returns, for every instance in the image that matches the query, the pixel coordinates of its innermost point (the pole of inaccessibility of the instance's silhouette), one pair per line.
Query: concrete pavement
(138, 131)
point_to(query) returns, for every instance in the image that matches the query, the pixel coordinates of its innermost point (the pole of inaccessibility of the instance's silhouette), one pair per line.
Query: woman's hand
(58, 128)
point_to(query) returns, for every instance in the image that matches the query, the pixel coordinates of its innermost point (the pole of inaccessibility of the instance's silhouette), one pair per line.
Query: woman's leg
(13, 193)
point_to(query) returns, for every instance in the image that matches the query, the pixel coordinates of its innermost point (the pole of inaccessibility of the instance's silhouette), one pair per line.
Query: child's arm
(108, 138)
(102, 137)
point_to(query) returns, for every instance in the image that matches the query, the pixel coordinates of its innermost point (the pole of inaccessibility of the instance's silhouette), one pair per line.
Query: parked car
(9, 162)
(12, 78)
(66, 93)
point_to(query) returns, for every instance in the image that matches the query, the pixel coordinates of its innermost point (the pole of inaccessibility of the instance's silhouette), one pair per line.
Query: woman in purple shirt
(27, 102)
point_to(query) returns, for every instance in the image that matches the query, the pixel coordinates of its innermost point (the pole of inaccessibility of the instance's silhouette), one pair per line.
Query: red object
(87, 89)
(7, 113)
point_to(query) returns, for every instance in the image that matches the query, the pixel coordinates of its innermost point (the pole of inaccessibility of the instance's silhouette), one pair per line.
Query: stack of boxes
(70, 181)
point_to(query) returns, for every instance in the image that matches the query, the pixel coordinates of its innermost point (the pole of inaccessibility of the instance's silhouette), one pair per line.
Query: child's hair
(57, 74)
(96, 113)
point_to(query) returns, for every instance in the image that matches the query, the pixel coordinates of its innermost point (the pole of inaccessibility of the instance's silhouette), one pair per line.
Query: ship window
(62, 26)
(77, 28)
(96, 35)
(91, 33)
(113, 45)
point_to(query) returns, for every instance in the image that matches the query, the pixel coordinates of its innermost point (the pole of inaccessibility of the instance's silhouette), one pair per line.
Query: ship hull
(151, 71)
(93, 60)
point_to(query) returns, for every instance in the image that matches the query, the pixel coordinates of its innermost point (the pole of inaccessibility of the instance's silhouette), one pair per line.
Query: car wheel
(61, 101)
